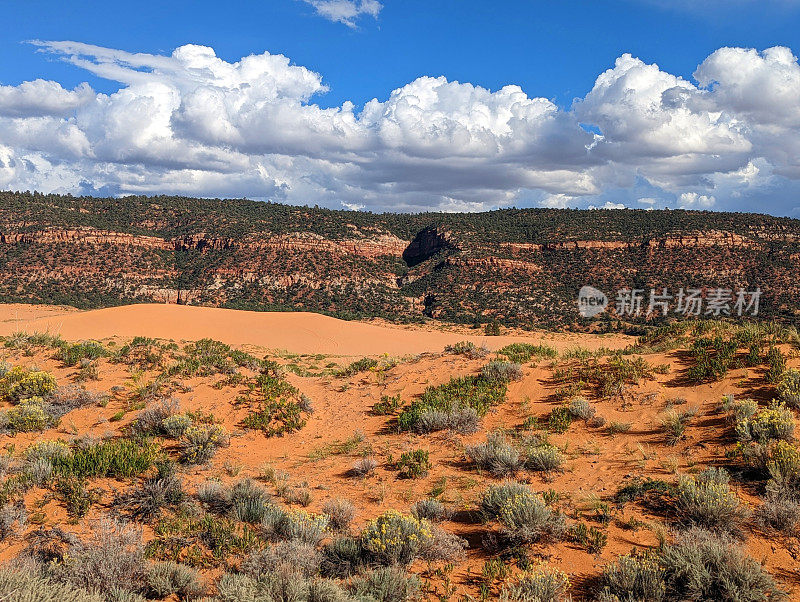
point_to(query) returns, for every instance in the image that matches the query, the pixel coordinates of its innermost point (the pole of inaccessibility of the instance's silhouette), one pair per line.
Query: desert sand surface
(297, 332)
(315, 464)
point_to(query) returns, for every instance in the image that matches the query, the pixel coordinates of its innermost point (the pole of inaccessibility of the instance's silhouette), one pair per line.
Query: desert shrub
(701, 566)
(18, 384)
(75, 494)
(442, 546)
(278, 586)
(789, 388)
(780, 512)
(114, 458)
(467, 348)
(430, 510)
(590, 538)
(524, 352)
(388, 584)
(774, 422)
(498, 496)
(362, 365)
(26, 584)
(596, 422)
(559, 420)
(294, 524)
(776, 365)
(28, 416)
(13, 520)
(544, 458)
(492, 329)
(387, 406)
(394, 538)
(523, 515)
(175, 426)
(168, 578)
(739, 409)
(70, 397)
(414, 464)
(248, 501)
(495, 455)
(146, 500)
(525, 518)
(201, 441)
(638, 489)
(781, 461)
(365, 466)
(542, 584)
(340, 513)
(581, 408)
(460, 420)
(634, 577)
(475, 392)
(673, 425)
(502, 371)
(278, 408)
(713, 358)
(150, 421)
(295, 557)
(72, 354)
(112, 558)
(706, 500)
(342, 557)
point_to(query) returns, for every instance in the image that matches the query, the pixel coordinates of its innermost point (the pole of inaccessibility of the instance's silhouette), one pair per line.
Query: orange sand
(298, 332)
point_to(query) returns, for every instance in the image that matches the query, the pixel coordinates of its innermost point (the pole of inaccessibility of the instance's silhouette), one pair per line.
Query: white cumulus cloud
(346, 11)
(193, 123)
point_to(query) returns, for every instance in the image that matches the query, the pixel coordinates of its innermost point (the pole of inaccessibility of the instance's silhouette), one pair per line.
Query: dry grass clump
(365, 466)
(780, 512)
(495, 455)
(147, 500)
(340, 513)
(431, 510)
(673, 424)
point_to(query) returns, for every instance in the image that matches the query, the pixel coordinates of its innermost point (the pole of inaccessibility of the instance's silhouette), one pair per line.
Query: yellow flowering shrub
(201, 441)
(635, 577)
(19, 383)
(304, 526)
(28, 416)
(789, 387)
(707, 500)
(395, 538)
(774, 422)
(543, 584)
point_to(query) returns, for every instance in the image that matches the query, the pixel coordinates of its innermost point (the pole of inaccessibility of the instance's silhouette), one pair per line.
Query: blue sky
(553, 51)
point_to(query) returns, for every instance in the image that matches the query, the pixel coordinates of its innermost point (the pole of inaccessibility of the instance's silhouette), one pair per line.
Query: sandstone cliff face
(300, 241)
(441, 271)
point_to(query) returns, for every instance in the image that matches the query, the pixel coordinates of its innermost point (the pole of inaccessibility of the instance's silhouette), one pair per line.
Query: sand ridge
(298, 332)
